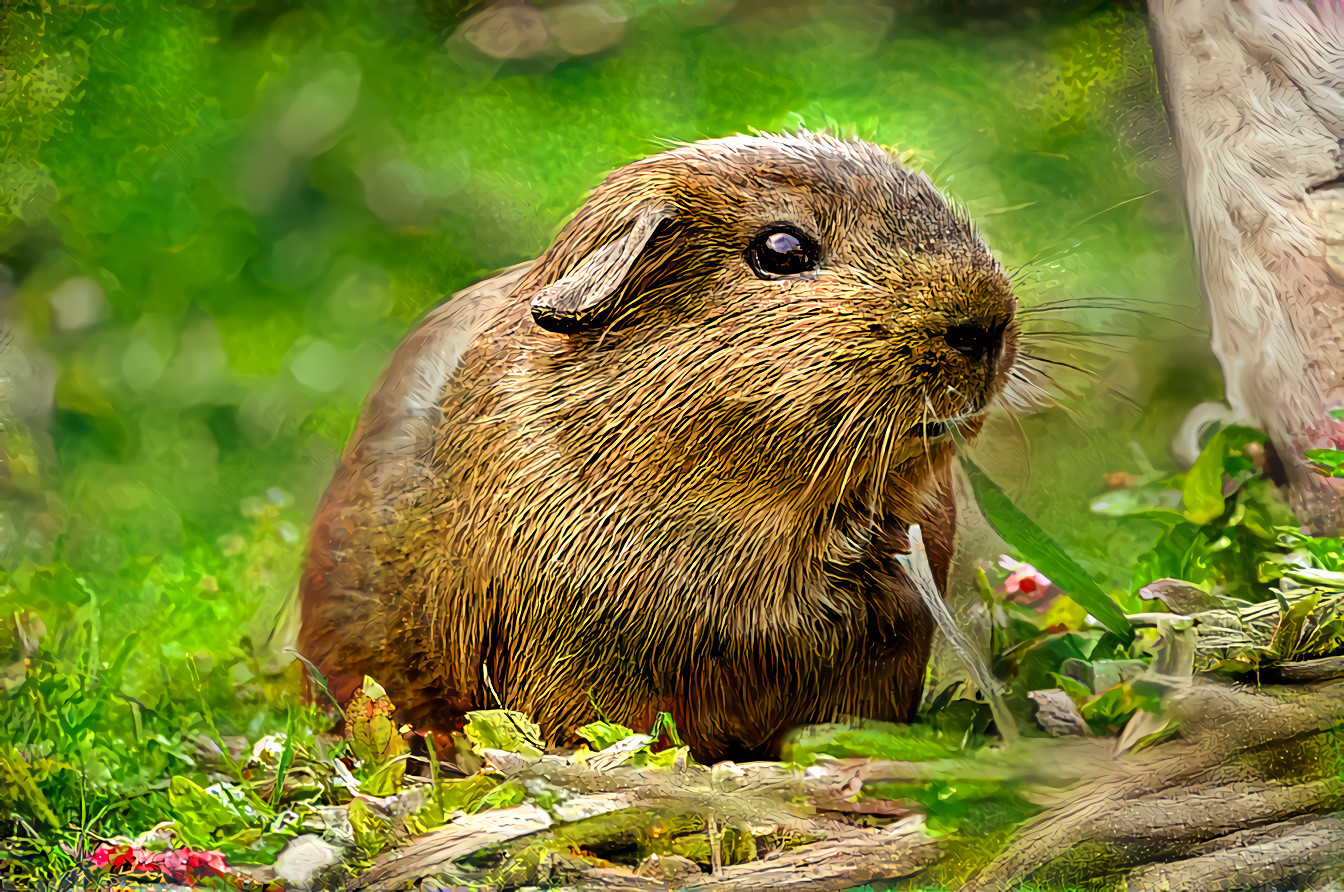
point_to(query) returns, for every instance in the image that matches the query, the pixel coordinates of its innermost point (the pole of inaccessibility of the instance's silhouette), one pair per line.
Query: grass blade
(1037, 548)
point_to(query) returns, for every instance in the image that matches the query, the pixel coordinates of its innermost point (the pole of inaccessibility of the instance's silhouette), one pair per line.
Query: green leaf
(664, 724)
(1203, 487)
(14, 771)
(1101, 675)
(375, 739)
(503, 729)
(506, 795)
(221, 816)
(285, 761)
(448, 798)
(1291, 630)
(663, 758)
(463, 795)
(601, 735)
(372, 832)
(1079, 692)
(1038, 549)
(1330, 460)
(867, 738)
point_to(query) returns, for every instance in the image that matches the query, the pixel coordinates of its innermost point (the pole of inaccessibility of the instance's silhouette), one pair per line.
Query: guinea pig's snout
(976, 339)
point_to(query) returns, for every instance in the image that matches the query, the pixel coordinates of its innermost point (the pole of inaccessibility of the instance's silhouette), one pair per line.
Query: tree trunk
(1255, 93)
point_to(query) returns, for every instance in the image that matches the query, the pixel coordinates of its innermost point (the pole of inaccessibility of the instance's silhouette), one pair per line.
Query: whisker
(1054, 253)
(1055, 307)
(959, 395)
(1089, 373)
(1026, 394)
(924, 429)
(1076, 332)
(1083, 222)
(960, 425)
(1075, 419)
(1078, 303)
(858, 449)
(959, 418)
(1032, 357)
(1075, 347)
(1024, 440)
(1048, 378)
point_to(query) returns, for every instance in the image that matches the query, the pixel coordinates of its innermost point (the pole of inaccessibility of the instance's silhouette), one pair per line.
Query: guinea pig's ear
(578, 300)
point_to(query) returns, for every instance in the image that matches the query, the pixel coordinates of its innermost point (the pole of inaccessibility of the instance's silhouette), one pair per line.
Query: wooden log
(1255, 93)
(859, 856)
(1309, 851)
(1247, 758)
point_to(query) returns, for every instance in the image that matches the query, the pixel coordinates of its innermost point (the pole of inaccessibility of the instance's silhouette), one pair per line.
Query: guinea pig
(668, 465)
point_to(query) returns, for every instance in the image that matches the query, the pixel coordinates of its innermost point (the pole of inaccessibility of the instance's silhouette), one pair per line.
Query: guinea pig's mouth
(929, 431)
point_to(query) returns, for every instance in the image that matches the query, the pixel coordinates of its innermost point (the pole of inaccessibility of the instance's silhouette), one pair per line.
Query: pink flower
(178, 865)
(1024, 581)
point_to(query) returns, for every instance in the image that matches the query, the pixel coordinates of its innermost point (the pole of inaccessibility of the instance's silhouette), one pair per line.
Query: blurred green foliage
(216, 219)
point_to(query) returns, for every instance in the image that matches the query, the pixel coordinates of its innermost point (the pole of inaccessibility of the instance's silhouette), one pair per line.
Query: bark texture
(1255, 93)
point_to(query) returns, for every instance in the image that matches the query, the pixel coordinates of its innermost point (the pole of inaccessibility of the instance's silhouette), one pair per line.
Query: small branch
(614, 879)
(1299, 671)
(762, 792)
(437, 850)
(917, 569)
(901, 850)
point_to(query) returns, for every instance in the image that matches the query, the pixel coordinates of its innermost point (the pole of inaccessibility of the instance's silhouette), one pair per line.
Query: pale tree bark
(1255, 93)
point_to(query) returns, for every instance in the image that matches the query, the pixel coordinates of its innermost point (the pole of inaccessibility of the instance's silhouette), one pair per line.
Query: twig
(901, 850)
(916, 565)
(1310, 670)
(715, 841)
(435, 851)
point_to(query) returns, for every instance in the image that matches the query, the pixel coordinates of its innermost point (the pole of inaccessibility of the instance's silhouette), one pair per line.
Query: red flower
(179, 865)
(1024, 581)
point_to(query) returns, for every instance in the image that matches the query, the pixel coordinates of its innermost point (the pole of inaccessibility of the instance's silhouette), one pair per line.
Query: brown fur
(690, 502)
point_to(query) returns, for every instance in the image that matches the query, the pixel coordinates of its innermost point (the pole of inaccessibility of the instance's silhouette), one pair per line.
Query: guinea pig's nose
(975, 340)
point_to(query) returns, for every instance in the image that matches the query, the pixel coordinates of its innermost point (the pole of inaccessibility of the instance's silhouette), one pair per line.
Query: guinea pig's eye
(782, 250)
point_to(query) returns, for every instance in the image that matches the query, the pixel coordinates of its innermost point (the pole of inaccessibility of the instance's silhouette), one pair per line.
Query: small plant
(1330, 461)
